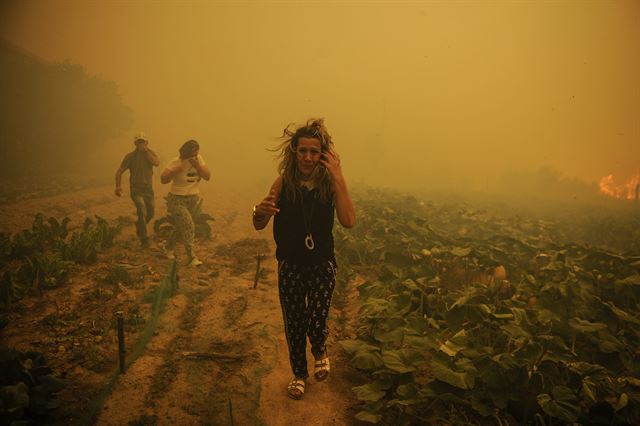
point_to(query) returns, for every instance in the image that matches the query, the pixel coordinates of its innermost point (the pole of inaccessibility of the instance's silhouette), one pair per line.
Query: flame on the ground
(626, 191)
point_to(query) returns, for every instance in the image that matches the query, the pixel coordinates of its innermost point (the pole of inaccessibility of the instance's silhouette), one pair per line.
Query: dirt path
(218, 354)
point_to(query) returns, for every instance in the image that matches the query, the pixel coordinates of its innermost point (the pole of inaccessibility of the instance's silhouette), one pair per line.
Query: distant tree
(52, 115)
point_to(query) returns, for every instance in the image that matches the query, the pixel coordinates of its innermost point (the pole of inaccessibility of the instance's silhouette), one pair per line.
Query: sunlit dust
(627, 191)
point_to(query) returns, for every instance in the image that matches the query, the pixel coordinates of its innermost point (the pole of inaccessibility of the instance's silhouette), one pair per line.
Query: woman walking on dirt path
(309, 189)
(183, 200)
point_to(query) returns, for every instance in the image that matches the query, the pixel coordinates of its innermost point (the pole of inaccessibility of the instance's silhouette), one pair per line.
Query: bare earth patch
(217, 355)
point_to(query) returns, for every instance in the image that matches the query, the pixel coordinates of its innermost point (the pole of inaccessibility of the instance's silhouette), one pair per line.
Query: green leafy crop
(444, 334)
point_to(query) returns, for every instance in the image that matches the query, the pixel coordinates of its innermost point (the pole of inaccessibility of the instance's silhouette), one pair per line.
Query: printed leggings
(305, 296)
(183, 208)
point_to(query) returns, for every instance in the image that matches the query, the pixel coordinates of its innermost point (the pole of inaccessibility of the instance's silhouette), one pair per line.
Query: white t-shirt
(185, 182)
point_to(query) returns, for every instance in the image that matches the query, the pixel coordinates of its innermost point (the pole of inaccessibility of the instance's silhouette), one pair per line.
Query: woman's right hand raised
(267, 207)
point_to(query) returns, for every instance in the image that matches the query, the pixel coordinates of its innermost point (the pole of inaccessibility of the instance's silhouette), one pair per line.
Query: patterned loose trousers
(305, 297)
(183, 208)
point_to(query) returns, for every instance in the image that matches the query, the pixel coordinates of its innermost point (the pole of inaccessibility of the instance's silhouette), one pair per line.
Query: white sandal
(296, 387)
(322, 367)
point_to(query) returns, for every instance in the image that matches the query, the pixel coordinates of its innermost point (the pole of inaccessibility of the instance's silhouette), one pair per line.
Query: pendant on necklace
(308, 242)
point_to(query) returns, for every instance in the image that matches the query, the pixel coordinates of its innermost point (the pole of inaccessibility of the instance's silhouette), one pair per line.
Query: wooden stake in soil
(258, 258)
(120, 317)
(230, 413)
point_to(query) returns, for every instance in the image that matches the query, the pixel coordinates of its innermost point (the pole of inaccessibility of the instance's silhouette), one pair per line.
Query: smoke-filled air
(442, 198)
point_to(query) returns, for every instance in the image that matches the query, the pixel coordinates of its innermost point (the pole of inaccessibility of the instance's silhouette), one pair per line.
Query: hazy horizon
(414, 93)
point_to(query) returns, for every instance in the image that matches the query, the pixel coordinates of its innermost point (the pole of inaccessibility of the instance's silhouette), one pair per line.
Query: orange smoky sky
(411, 91)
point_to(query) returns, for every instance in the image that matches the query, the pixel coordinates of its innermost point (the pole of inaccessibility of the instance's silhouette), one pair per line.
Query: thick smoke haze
(415, 94)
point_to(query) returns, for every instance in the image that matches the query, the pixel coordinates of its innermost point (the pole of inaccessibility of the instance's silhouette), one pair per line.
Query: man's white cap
(140, 135)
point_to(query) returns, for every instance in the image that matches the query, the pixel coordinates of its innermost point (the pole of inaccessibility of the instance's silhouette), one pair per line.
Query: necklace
(308, 240)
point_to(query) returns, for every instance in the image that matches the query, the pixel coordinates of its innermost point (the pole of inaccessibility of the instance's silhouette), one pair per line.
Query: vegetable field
(470, 318)
(444, 313)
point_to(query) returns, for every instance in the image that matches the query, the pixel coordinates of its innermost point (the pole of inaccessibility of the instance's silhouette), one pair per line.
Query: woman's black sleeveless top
(289, 230)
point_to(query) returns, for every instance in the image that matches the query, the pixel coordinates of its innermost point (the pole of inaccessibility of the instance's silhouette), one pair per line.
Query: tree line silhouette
(54, 117)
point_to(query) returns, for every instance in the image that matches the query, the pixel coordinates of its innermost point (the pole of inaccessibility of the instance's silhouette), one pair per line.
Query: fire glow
(626, 191)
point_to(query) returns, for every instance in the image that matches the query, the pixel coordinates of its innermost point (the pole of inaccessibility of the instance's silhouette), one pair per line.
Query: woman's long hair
(288, 167)
(188, 148)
